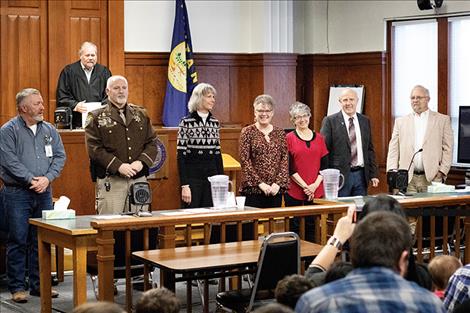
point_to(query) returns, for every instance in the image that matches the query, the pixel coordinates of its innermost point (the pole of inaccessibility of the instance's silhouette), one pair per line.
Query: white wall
(355, 26)
(216, 26)
(310, 26)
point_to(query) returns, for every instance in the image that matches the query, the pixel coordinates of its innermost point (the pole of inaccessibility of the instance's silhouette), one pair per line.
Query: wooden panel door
(23, 51)
(72, 22)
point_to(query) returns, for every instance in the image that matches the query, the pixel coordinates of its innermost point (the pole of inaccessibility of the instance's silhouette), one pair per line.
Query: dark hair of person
(158, 300)
(379, 240)
(337, 271)
(463, 307)
(290, 288)
(416, 272)
(99, 307)
(273, 308)
(381, 202)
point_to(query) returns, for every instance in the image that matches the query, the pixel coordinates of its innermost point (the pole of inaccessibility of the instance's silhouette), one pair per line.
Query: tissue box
(438, 187)
(58, 215)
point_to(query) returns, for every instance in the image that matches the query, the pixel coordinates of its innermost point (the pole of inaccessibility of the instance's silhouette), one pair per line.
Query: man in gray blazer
(426, 130)
(348, 138)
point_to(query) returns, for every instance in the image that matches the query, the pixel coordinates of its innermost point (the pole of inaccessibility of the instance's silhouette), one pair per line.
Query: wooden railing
(426, 210)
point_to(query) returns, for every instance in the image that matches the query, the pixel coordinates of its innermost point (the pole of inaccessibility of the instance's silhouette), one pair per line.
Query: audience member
(441, 268)
(98, 307)
(82, 81)
(338, 270)
(421, 130)
(158, 300)
(380, 246)
(31, 157)
(348, 138)
(273, 308)
(307, 155)
(120, 141)
(458, 289)
(416, 272)
(198, 148)
(290, 288)
(322, 262)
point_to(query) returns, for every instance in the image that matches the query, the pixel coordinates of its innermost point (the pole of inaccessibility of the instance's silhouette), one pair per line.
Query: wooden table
(75, 234)
(218, 259)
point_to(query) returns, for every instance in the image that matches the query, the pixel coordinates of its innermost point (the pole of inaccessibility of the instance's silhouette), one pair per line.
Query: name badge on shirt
(48, 146)
(48, 151)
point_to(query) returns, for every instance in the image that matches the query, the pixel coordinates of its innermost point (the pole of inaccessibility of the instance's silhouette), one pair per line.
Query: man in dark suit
(81, 82)
(348, 138)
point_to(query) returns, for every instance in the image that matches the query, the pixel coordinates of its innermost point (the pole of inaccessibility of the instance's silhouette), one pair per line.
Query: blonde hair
(264, 99)
(202, 89)
(441, 268)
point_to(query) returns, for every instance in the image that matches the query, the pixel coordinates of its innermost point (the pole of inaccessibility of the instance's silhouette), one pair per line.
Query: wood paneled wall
(238, 79)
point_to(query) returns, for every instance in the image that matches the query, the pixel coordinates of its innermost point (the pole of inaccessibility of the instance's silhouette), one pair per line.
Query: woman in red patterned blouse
(264, 158)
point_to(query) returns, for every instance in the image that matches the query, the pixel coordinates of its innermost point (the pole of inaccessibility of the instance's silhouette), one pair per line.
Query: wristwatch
(333, 241)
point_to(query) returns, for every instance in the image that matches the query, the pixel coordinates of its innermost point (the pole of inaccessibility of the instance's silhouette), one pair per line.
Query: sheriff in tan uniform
(120, 141)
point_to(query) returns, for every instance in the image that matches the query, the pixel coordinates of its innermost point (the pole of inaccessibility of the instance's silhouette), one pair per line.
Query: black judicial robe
(73, 87)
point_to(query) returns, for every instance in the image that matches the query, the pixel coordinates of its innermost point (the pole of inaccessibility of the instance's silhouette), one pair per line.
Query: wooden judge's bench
(75, 180)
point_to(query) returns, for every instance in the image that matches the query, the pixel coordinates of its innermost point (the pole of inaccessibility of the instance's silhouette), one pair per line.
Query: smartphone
(359, 202)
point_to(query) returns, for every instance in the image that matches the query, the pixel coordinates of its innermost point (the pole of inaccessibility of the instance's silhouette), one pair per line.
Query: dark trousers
(201, 195)
(294, 224)
(22, 204)
(355, 185)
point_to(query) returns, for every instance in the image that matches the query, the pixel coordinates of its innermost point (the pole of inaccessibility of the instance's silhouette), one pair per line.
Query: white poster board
(335, 93)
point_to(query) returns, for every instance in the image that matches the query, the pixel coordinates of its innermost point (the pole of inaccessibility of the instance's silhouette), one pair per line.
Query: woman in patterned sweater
(264, 158)
(198, 148)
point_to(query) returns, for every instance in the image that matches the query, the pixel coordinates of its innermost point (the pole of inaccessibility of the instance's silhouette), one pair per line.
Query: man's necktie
(122, 115)
(353, 142)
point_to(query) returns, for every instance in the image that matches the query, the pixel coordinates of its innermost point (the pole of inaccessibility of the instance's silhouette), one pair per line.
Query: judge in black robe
(73, 87)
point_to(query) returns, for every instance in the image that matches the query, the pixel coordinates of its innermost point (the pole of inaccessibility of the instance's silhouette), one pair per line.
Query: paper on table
(174, 213)
(90, 106)
(112, 217)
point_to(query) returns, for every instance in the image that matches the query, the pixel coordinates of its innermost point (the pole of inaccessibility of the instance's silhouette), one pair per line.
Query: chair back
(279, 257)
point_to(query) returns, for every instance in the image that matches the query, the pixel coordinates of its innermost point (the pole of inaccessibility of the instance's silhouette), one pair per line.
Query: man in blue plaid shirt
(458, 289)
(379, 253)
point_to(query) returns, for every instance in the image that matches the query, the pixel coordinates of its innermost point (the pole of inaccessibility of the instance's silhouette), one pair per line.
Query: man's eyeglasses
(419, 98)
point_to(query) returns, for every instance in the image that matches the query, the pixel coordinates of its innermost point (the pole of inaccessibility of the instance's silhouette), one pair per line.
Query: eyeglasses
(419, 98)
(305, 116)
(264, 111)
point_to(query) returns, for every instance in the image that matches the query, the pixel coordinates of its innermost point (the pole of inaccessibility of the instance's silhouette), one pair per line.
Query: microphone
(398, 178)
(413, 158)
